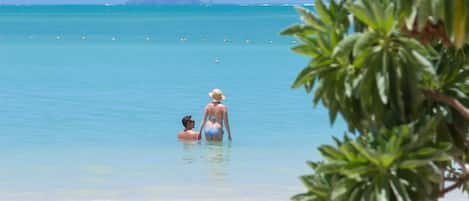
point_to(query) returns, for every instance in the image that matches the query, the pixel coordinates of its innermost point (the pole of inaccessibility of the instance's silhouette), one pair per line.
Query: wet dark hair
(185, 120)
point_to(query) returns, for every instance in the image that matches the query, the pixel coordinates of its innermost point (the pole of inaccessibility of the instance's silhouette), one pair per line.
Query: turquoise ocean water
(92, 96)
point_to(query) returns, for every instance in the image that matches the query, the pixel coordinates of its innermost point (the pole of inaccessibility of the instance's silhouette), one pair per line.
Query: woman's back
(215, 113)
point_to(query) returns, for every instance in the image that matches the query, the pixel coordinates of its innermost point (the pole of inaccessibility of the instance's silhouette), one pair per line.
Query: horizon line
(144, 4)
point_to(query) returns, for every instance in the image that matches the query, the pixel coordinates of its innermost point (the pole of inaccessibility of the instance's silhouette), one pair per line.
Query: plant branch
(459, 183)
(454, 103)
(451, 179)
(463, 167)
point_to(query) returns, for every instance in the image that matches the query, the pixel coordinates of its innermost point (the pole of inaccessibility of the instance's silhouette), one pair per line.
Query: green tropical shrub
(397, 71)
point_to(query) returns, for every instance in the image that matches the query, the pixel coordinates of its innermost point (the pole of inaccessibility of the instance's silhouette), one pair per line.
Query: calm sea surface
(91, 99)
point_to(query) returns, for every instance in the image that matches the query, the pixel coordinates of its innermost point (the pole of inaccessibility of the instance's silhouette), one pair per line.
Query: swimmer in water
(188, 133)
(215, 117)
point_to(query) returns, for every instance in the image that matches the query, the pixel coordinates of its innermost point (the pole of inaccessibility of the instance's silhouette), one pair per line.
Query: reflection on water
(214, 156)
(189, 150)
(217, 157)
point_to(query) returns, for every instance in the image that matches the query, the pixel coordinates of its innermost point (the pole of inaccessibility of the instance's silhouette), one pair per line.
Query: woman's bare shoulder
(223, 107)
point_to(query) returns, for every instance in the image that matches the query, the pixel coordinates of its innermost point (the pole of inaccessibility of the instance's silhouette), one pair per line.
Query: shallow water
(92, 97)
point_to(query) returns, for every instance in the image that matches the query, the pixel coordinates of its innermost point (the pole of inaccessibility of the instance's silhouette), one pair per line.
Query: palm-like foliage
(385, 65)
(394, 164)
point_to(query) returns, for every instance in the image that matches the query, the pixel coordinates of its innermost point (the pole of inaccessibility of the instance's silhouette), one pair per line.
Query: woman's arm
(227, 124)
(204, 119)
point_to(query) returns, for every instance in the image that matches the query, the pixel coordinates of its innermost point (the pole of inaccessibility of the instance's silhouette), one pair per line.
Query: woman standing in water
(215, 116)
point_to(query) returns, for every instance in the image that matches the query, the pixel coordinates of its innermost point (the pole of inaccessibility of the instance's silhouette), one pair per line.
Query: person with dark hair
(188, 133)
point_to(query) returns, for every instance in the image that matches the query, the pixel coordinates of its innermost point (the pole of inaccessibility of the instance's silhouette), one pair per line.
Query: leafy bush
(397, 71)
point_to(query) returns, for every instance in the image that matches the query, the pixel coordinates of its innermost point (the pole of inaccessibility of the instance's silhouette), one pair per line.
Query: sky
(123, 1)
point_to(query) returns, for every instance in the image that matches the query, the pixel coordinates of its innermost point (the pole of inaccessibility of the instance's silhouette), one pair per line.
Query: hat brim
(211, 96)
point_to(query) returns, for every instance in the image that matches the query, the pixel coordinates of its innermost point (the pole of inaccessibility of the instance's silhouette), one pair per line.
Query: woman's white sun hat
(216, 95)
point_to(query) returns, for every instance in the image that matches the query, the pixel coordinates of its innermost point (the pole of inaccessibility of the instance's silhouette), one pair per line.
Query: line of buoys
(181, 39)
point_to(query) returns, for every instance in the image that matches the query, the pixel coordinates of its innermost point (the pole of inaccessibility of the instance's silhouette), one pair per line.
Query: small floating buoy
(226, 40)
(183, 39)
(58, 38)
(270, 41)
(248, 41)
(83, 37)
(113, 38)
(217, 61)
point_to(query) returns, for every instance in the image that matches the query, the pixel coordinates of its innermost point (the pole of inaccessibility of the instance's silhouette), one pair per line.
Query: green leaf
(411, 18)
(312, 164)
(331, 167)
(348, 152)
(333, 110)
(413, 44)
(323, 12)
(307, 50)
(365, 41)
(358, 62)
(412, 164)
(426, 152)
(387, 159)
(304, 197)
(341, 188)
(310, 19)
(319, 92)
(331, 152)
(299, 29)
(337, 141)
(427, 65)
(390, 20)
(459, 94)
(399, 190)
(348, 85)
(438, 8)
(324, 45)
(378, 13)
(424, 12)
(366, 153)
(357, 172)
(362, 14)
(345, 46)
(313, 187)
(382, 80)
(307, 73)
(309, 84)
(382, 194)
(356, 194)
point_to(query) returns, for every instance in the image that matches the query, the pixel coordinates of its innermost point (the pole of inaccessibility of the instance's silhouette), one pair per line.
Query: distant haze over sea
(164, 2)
(32, 2)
